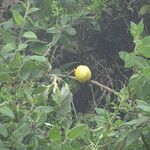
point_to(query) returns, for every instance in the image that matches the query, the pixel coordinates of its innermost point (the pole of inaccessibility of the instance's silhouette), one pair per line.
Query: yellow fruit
(82, 73)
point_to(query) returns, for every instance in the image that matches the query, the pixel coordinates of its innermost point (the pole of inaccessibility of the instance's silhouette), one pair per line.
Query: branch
(92, 82)
(104, 87)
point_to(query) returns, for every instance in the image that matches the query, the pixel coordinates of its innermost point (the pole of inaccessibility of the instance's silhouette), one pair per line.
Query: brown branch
(94, 83)
(104, 87)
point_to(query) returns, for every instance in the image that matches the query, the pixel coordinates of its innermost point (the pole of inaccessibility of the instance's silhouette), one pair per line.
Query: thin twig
(93, 96)
(74, 109)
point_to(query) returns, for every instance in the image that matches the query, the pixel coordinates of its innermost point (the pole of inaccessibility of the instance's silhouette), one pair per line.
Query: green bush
(36, 99)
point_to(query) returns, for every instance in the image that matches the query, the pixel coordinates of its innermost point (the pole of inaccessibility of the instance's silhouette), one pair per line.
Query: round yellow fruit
(82, 73)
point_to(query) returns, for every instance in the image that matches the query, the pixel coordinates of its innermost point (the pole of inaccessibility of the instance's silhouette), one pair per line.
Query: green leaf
(21, 146)
(146, 72)
(134, 30)
(3, 130)
(18, 18)
(22, 46)
(5, 73)
(64, 101)
(44, 109)
(8, 48)
(132, 137)
(41, 119)
(144, 48)
(64, 19)
(70, 30)
(33, 9)
(37, 58)
(39, 48)
(57, 97)
(101, 112)
(55, 134)
(145, 9)
(7, 37)
(30, 70)
(30, 35)
(6, 111)
(102, 116)
(56, 38)
(143, 105)
(142, 91)
(131, 60)
(146, 40)
(33, 67)
(76, 131)
(20, 133)
(137, 122)
(40, 89)
(140, 27)
(2, 146)
(53, 30)
(8, 24)
(16, 62)
(128, 58)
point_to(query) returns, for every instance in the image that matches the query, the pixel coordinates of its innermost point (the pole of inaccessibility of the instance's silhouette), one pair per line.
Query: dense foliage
(37, 108)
